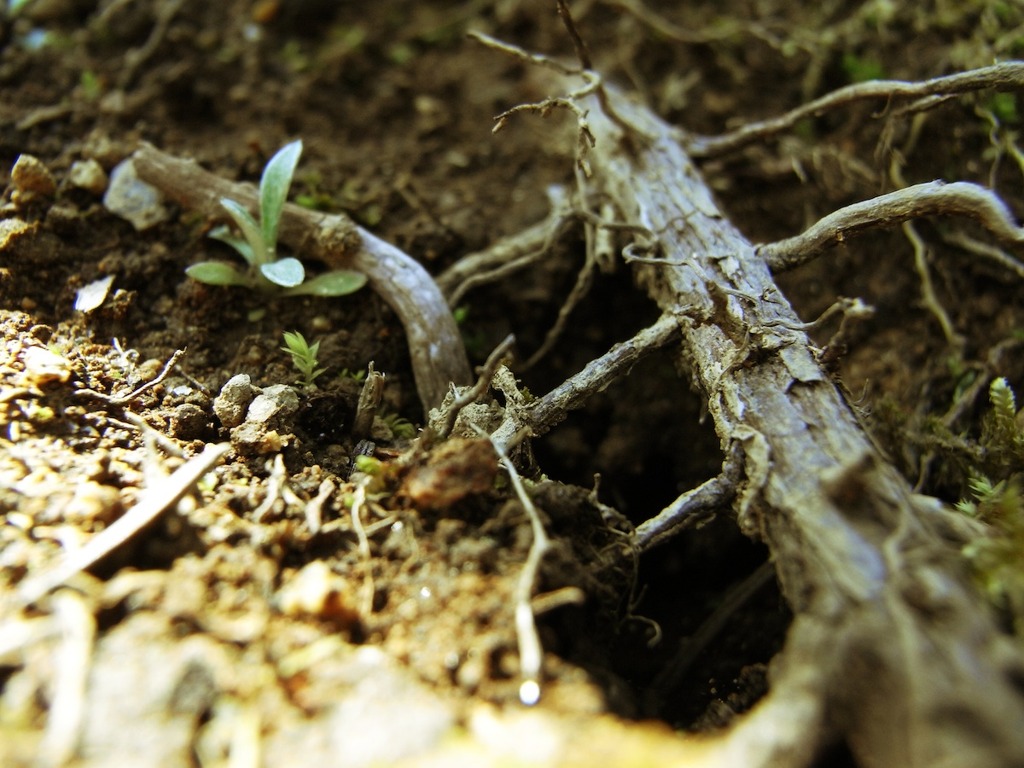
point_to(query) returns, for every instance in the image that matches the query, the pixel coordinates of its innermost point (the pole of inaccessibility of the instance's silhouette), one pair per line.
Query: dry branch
(540, 415)
(435, 346)
(1006, 75)
(934, 198)
(890, 651)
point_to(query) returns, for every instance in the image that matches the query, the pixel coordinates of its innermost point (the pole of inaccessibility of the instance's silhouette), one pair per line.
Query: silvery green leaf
(337, 283)
(277, 178)
(217, 273)
(287, 272)
(225, 235)
(250, 229)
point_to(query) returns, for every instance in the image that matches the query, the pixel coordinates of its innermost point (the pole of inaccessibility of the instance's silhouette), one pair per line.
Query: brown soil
(235, 623)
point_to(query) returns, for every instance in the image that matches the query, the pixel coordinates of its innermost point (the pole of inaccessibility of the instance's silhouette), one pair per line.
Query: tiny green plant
(357, 375)
(400, 427)
(995, 556)
(303, 357)
(258, 243)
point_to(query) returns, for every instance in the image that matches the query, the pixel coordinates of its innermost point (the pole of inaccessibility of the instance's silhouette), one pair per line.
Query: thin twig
(694, 507)
(522, 54)
(147, 430)
(509, 254)
(124, 399)
(1008, 74)
(842, 305)
(580, 288)
(933, 198)
(582, 54)
(854, 311)
(570, 101)
(474, 393)
(541, 415)
(153, 503)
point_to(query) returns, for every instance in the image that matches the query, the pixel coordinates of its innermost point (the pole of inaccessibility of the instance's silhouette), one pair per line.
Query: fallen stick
(890, 651)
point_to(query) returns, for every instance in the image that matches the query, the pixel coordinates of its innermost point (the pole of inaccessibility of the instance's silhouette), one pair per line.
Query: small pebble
(277, 401)
(88, 175)
(234, 399)
(31, 179)
(188, 422)
(133, 199)
(44, 367)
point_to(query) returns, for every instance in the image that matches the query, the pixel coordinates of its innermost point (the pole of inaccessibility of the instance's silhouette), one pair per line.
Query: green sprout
(303, 357)
(258, 243)
(400, 427)
(357, 375)
(995, 555)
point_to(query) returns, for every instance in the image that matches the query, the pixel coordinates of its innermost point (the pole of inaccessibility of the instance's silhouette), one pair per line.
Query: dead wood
(890, 651)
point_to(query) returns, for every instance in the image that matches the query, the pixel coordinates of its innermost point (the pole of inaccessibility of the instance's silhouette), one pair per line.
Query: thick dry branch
(890, 649)
(1008, 74)
(435, 345)
(934, 198)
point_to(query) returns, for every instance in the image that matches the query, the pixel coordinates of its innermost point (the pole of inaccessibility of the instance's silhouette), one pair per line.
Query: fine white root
(531, 652)
(1004, 260)
(358, 502)
(928, 296)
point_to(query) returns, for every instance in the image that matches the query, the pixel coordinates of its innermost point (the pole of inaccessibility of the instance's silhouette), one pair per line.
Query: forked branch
(1008, 74)
(934, 198)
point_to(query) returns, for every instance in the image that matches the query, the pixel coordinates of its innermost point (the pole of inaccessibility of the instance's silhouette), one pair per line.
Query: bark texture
(891, 651)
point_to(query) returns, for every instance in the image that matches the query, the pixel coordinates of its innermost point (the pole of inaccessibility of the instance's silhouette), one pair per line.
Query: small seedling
(258, 243)
(999, 503)
(303, 357)
(400, 427)
(368, 465)
(357, 375)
